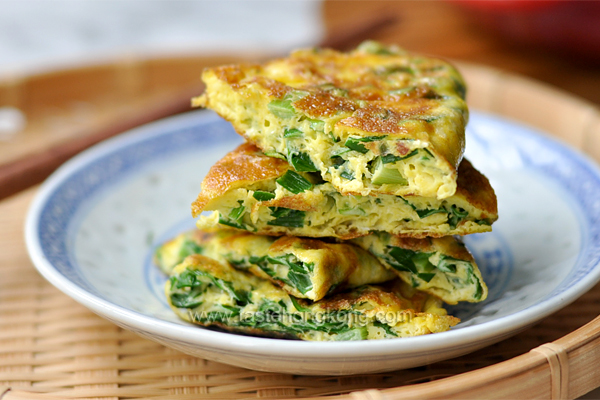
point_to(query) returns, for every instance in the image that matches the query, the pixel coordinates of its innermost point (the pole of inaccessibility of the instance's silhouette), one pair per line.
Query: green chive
(274, 154)
(383, 175)
(391, 158)
(292, 133)
(302, 162)
(294, 182)
(456, 215)
(282, 108)
(426, 276)
(427, 212)
(355, 145)
(402, 259)
(317, 125)
(263, 196)
(347, 175)
(298, 306)
(287, 217)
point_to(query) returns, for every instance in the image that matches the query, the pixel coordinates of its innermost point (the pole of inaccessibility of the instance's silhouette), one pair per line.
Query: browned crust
(323, 104)
(370, 294)
(295, 202)
(476, 189)
(239, 168)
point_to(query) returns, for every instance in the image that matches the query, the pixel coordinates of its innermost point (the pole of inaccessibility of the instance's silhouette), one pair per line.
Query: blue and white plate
(94, 224)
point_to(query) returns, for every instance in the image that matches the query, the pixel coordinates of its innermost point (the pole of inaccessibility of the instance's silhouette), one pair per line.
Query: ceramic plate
(94, 224)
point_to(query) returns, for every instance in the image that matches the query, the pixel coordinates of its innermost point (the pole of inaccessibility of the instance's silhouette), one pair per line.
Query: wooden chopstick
(32, 169)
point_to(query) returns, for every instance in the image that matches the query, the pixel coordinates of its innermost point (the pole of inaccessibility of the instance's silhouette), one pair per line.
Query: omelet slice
(442, 266)
(250, 191)
(305, 268)
(206, 292)
(376, 120)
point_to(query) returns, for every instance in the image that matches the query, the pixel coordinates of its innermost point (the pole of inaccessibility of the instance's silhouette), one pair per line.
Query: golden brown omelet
(376, 120)
(250, 191)
(209, 293)
(303, 267)
(442, 266)
(312, 269)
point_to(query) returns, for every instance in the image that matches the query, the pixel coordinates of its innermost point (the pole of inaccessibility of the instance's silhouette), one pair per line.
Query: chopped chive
(427, 212)
(274, 154)
(302, 162)
(335, 139)
(185, 300)
(317, 125)
(352, 211)
(256, 260)
(426, 276)
(421, 261)
(287, 217)
(355, 145)
(339, 152)
(385, 327)
(447, 264)
(233, 224)
(347, 175)
(234, 217)
(337, 161)
(456, 215)
(391, 158)
(237, 213)
(263, 196)
(383, 175)
(282, 108)
(411, 205)
(294, 182)
(292, 133)
(402, 259)
(298, 306)
(300, 281)
(188, 248)
(483, 222)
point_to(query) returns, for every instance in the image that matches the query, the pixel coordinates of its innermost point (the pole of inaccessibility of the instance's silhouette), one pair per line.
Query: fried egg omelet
(312, 269)
(206, 292)
(442, 267)
(376, 120)
(305, 268)
(250, 191)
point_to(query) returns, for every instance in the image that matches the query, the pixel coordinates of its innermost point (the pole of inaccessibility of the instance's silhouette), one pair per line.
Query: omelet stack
(336, 219)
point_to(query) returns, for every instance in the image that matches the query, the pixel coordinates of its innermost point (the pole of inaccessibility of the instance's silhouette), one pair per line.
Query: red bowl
(568, 27)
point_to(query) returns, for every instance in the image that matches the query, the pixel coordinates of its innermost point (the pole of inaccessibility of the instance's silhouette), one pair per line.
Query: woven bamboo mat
(53, 348)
